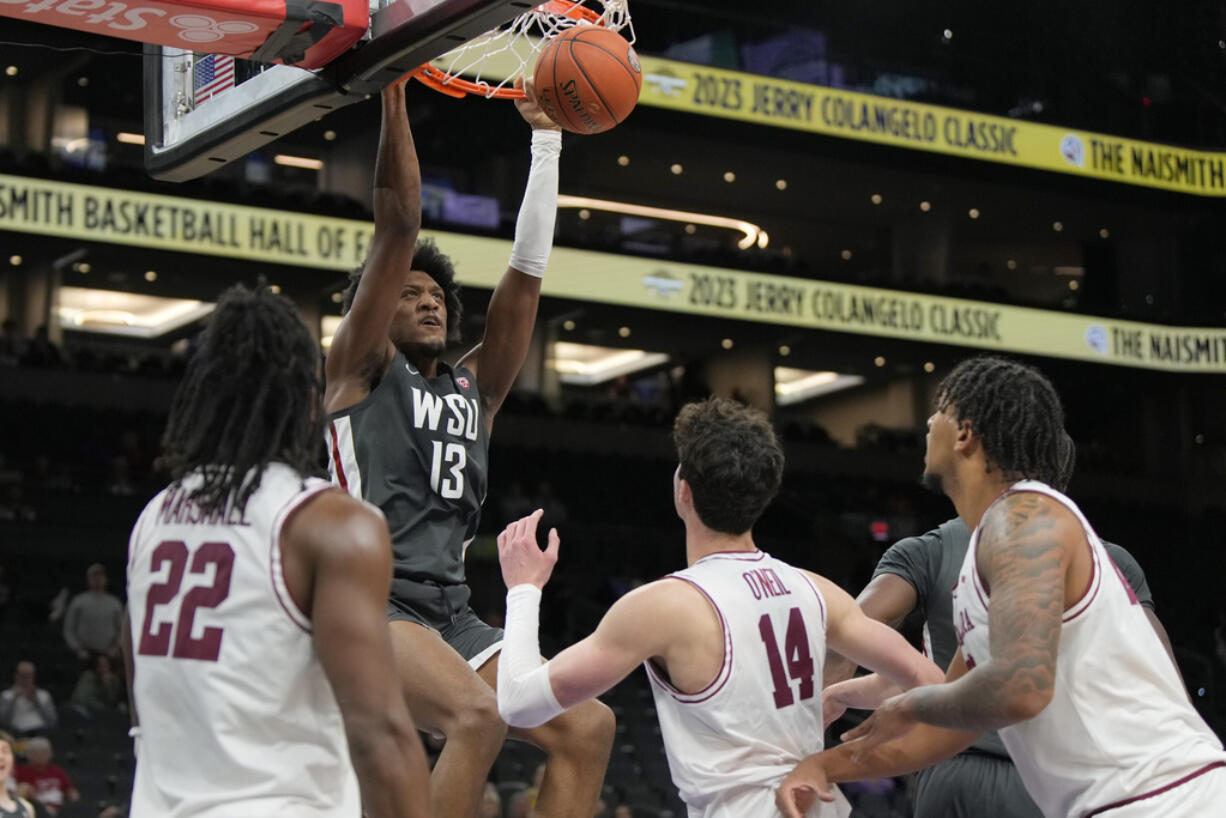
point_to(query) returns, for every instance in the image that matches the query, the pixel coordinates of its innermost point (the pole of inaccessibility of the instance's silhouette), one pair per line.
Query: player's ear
(685, 495)
(966, 439)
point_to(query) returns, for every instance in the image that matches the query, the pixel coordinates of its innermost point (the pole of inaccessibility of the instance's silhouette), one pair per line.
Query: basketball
(588, 79)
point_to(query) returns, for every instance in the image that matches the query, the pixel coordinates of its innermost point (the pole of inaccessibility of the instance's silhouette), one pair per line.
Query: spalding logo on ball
(588, 79)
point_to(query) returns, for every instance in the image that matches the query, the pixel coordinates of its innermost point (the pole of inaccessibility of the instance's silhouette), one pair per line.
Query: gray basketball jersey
(417, 448)
(931, 563)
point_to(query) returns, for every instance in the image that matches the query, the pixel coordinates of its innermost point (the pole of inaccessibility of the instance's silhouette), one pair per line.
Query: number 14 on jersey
(797, 655)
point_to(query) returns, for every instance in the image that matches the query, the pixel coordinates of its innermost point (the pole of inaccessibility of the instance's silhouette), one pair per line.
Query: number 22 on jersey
(182, 609)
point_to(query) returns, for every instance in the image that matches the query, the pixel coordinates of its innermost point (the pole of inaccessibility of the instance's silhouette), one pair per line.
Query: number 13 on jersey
(450, 486)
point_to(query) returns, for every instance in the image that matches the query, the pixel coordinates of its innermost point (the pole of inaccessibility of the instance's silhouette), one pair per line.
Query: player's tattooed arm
(1023, 561)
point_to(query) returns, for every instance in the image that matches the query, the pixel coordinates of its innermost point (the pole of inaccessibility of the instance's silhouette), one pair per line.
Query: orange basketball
(588, 79)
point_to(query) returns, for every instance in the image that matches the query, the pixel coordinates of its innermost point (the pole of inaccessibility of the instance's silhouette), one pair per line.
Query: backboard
(187, 137)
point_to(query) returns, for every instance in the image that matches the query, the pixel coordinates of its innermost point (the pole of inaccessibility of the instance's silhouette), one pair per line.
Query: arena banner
(849, 115)
(300, 239)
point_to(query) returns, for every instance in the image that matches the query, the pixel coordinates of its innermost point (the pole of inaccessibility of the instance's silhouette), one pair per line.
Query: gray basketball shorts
(973, 785)
(445, 610)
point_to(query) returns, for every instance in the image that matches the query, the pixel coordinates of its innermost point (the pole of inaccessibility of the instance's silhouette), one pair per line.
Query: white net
(492, 61)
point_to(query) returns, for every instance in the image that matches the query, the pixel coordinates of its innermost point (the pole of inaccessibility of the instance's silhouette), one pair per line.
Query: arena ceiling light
(135, 315)
(751, 233)
(587, 365)
(304, 162)
(797, 385)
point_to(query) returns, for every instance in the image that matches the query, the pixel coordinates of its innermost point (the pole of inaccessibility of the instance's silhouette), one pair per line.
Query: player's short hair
(433, 262)
(251, 396)
(8, 739)
(731, 458)
(1015, 412)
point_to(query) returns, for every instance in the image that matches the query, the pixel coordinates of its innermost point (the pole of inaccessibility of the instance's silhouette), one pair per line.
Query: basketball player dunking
(262, 673)
(410, 434)
(733, 644)
(1055, 651)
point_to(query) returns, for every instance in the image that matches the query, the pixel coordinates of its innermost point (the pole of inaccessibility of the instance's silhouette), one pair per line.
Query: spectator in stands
(42, 351)
(14, 507)
(602, 809)
(10, 805)
(44, 476)
(94, 618)
(99, 689)
(12, 345)
(623, 811)
(43, 781)
(8, 474)
(491, 803)
(25, 709)
(119, 481)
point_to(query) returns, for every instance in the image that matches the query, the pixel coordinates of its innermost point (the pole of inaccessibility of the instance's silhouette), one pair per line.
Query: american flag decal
(212, 74)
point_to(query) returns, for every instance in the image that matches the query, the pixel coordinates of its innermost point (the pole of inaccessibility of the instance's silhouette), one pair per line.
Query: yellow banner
(605, 278)
(282, 237)
(849, 115)
(174, 223)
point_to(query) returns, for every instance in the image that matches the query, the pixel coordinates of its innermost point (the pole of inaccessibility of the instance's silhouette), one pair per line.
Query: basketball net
(489, 64)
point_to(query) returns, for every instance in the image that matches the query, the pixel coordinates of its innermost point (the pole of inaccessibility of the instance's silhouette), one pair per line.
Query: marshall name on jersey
(417, 448)
(238, 718)
(1119, 730)
(730, 744)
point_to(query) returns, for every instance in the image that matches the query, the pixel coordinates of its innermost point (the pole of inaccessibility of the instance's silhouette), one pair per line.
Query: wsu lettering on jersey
(463, 413)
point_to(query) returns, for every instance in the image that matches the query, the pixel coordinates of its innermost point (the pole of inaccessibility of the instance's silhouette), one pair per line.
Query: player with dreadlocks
(260, 667)
(1054, 650)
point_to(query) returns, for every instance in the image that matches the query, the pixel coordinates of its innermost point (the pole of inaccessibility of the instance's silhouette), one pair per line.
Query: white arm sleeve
(525, 697)
(534, 227)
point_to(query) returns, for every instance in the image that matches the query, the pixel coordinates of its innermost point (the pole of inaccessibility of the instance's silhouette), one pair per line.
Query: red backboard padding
(294, 30)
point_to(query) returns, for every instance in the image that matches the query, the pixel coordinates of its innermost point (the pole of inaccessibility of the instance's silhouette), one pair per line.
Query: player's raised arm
(348, 560)
(512, 311)
(637, 627)
(361, 347)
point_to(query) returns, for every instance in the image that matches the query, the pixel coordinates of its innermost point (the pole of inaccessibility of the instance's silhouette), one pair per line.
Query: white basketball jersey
(1119, 727)
(732, 743)
(237, 717)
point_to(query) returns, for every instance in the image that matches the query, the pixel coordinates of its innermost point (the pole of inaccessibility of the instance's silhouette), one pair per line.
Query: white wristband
(539, 210)
(525, 696)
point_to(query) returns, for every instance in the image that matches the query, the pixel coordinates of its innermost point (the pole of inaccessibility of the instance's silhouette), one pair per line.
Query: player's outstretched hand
(521, 557)
(888, 722)
(802, 787)
(832, 708)
(530, 109)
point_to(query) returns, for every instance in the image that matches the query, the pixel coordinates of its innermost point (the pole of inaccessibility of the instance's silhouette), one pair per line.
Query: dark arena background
(843, 201)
